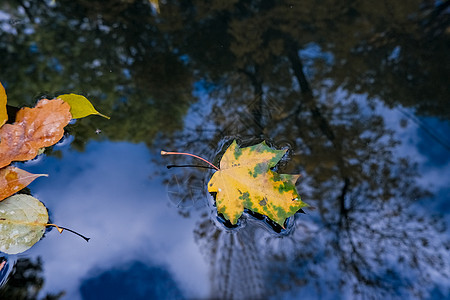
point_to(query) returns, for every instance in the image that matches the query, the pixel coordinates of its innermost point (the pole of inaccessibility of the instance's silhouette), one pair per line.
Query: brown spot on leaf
(263, 202)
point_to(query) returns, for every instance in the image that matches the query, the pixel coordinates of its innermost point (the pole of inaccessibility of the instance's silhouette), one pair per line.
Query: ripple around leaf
(245, 180)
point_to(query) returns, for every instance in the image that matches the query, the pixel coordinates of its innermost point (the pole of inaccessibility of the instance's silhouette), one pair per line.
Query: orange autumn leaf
(35, 128)
(13, 179)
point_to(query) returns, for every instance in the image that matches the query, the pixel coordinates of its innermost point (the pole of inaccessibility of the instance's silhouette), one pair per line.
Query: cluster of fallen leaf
(34, 129)
(23, 218)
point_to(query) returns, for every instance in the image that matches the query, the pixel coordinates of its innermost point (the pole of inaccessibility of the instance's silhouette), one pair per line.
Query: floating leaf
(34, 128)
(80, 107)
(23, 219)
(246, 181)
(3, 112)
(13, 179)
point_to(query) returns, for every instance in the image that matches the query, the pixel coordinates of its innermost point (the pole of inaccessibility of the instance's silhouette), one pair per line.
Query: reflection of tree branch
(431, 132)
(324, 125)
(438, 10)
(343, 210)
(27, 11)
(357, 260)
(345, 151)
(26, 281)
(236, 266)
(257, 86)
(297, 66)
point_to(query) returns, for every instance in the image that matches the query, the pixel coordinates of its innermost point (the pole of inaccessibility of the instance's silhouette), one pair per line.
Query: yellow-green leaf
(80, 107)
(3, 112)
(246, 181)
(23, 219)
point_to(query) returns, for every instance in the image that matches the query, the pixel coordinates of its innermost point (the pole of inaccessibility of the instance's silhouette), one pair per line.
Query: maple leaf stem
(188, 166)
(61, 229)
(182, 153)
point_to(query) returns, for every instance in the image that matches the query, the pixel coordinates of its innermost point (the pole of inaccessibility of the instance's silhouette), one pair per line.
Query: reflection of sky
(418, 143)
(106, 194)
(423, 141)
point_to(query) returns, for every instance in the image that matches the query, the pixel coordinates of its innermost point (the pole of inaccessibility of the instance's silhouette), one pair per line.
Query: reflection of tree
(140, 65)
(402, 62)
(370, 233)
(393, 51)
(25, 281)
(368, 230)
(114, 53)
(237, 270)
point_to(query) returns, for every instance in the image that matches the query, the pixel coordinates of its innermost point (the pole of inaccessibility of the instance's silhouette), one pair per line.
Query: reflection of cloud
(105, 194)
(419, 139)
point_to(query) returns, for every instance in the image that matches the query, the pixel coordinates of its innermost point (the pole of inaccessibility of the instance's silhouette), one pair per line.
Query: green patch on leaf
(286, 186)
(259, 169)
(237, 151)
(246, 201)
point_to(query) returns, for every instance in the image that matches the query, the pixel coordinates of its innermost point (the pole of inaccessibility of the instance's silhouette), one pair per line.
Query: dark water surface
(357, 93)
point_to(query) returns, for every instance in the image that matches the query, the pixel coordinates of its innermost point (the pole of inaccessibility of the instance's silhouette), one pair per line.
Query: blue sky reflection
(106, 193)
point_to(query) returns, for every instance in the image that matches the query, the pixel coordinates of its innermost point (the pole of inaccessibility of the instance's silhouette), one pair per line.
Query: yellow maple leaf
(245, 180)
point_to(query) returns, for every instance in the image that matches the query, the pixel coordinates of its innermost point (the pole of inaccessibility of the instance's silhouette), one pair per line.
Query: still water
(357, 94)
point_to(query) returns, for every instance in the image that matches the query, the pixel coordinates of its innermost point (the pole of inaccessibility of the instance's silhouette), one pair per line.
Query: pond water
(357, 95)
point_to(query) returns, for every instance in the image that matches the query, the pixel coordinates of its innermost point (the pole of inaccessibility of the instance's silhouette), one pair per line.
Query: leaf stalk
(189, 154)
(61, 229)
